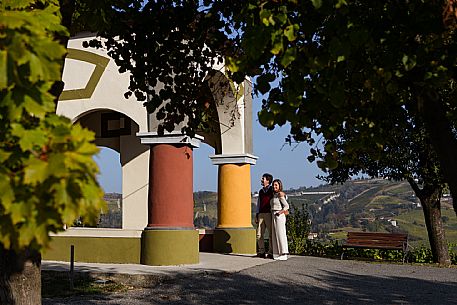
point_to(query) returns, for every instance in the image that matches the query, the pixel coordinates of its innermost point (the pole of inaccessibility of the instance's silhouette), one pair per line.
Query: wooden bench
(369, 240)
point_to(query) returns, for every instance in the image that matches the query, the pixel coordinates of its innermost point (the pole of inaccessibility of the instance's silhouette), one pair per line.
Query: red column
(170, 186)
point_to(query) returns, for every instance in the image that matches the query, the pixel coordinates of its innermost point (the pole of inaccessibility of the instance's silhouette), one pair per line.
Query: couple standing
(272, 208)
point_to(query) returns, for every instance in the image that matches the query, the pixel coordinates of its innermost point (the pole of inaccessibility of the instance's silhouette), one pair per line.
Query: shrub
(333, 249)
(298, 226)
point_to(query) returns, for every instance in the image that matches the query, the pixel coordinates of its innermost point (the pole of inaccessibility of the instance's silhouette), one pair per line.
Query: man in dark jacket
(263, 215)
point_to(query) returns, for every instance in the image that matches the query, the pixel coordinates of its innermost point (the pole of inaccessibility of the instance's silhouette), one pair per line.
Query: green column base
(235, 240)
(162, 247)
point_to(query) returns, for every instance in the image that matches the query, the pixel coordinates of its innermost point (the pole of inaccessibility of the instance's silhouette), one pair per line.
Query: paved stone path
(300, 280)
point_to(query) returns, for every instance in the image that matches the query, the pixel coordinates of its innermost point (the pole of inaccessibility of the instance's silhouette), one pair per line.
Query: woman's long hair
(280, 184)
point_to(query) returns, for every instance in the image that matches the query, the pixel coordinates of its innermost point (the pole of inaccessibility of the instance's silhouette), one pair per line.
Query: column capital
(150, 138)
(233, 159)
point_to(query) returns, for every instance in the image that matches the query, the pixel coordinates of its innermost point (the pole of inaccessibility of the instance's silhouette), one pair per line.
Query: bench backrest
(378, 240)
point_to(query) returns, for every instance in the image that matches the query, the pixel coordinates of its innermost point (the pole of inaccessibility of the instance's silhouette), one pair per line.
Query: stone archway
(94, 97)
(157, 170)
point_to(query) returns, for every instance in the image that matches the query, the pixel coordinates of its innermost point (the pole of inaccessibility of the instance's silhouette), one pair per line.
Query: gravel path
(300, 280)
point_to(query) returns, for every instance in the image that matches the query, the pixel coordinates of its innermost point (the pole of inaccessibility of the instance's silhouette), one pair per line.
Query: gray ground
(300, 280)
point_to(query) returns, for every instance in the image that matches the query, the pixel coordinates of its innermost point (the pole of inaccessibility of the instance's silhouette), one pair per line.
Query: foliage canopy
(47, 174)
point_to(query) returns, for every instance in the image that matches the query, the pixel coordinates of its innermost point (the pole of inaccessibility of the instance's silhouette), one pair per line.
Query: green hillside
(205, 209)
(366, 204)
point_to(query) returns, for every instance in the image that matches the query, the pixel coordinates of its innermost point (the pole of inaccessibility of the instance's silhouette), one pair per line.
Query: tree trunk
(442, 138)
(20, 277)
(430, 197)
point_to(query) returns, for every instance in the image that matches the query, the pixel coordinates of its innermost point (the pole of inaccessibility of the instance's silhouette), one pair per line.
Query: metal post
(72, 265)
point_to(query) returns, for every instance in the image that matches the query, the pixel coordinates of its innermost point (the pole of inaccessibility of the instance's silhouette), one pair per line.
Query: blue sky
(285, 162)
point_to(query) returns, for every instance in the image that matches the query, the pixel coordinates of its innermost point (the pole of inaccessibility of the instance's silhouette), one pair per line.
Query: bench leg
(342, 255)
(405, 254)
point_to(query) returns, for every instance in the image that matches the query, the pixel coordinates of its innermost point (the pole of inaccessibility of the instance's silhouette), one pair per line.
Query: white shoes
(280, 257)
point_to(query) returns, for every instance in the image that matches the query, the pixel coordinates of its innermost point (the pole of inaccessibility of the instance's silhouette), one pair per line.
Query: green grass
(339, 235)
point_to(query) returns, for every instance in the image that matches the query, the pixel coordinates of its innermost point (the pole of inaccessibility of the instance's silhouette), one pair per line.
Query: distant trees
(204, 221)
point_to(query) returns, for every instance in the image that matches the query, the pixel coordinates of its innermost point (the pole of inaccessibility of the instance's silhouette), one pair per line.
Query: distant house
(312, 236)
(393, 222)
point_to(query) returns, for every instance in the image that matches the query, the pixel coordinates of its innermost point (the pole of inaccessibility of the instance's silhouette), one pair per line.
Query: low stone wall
(96, 246)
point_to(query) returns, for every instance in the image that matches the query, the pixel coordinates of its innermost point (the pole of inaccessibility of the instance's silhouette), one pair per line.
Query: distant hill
(365, 204)
(205, 209)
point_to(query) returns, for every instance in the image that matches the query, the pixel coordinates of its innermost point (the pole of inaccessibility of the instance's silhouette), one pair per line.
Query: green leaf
(7, 194)
(26, 233)
(266, 17)
(38, 198)
(340, 3)
(288, 57)
(56, 165)
(35, 171)
(262, 84)
(36, 69)
(256, 42)
(266, 118)
(409, 62)
(392, 88)
(3, 69)
(278, 47)
(282, 17)
(5, 240)
(4, 155)
(289, 32)
(60, 193)
(18, 212)
(41, 234)
(232, 64)
(13, 20)
(17, 4)
(317, 3)
(29, 138)
(331, 163)
(34, 108)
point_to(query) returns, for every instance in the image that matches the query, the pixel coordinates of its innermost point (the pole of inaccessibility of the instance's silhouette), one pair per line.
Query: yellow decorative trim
(100, 63)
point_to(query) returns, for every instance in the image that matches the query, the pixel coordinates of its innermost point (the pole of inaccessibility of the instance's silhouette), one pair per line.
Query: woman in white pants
(279, 210)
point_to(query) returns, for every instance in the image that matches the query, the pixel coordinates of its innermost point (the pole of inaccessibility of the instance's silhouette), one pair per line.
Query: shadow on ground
(289, 283)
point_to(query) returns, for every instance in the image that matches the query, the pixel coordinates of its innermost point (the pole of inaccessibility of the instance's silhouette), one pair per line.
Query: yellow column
(234, 232)
(234, 196)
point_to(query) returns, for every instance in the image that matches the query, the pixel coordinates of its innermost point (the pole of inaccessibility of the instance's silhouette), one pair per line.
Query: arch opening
(110, 179)
(124, 162)
(205, 188)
